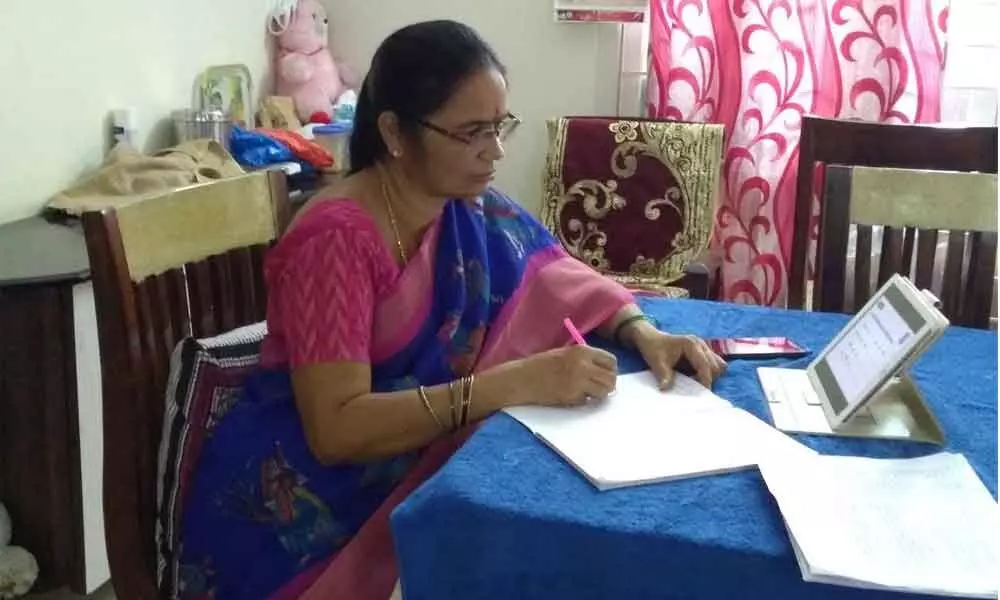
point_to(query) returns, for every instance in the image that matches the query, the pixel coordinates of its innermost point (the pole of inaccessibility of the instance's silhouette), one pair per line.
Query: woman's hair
(414, 72)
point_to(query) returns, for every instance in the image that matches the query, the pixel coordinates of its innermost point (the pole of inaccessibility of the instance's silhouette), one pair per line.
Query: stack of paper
(643, 435)
(925, 525)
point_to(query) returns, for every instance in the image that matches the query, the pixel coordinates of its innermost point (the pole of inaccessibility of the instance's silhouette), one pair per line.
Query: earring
(396, 152)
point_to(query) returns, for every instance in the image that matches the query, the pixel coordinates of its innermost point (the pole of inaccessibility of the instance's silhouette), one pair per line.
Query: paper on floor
(643, 435)
(925, 525)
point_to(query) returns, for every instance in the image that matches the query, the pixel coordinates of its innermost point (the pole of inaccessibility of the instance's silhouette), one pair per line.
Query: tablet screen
(878, 339)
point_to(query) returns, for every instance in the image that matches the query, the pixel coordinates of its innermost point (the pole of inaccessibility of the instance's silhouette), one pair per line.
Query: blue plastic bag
(256, 150)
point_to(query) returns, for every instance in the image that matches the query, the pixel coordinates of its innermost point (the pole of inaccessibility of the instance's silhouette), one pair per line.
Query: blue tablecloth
(507, 519)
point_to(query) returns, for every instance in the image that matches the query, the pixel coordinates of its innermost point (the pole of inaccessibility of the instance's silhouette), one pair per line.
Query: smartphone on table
(756, 348)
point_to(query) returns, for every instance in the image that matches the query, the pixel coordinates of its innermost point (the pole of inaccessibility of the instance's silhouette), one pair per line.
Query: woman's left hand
(663, 351)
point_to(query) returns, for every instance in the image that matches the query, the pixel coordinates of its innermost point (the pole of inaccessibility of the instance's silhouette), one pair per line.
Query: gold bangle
(461, 402)
(427, 404)
(467, 398)
(451, 398)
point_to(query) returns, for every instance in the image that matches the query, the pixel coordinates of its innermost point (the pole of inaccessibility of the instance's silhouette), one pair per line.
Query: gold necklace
(392, 221)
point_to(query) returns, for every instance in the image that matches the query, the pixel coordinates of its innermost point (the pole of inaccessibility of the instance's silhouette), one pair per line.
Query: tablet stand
(897, 411)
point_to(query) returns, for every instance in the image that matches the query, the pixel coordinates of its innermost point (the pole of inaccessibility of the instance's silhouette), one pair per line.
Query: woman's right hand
(569, 376)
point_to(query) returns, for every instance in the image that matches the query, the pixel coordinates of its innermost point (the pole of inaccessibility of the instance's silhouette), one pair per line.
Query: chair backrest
(188, 262)
(861, 143)
(635, 199)
(911, 207)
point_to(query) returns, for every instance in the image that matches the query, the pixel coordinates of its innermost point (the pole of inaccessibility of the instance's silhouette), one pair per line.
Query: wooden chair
(876, 145)
(912, 206)
(183, 263)
(635, 199)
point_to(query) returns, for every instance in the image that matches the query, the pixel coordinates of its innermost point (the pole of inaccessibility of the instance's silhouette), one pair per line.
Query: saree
(264, 519)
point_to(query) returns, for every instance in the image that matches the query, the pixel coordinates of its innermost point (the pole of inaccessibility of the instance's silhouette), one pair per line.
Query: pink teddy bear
(306, 71)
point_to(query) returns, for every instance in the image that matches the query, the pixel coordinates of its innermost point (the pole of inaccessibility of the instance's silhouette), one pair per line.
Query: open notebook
(642, 435)
(923, 525)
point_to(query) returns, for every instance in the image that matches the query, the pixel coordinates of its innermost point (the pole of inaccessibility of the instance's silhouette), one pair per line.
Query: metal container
(192, 124)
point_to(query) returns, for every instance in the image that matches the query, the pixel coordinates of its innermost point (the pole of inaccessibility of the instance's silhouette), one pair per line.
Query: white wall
(65, 63)
(555, 69)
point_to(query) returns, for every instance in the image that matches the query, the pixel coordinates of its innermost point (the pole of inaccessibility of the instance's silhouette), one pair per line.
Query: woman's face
(460, 144)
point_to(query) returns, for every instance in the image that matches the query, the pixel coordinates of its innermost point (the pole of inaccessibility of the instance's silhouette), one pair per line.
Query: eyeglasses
(480, 134)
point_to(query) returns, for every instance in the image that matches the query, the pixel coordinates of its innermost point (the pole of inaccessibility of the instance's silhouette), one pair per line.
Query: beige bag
(278, 112)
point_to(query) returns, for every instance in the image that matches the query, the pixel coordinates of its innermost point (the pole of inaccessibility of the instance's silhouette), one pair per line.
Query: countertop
(34, 251)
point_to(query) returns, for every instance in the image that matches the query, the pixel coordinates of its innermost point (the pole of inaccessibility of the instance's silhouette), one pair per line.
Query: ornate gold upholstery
(634, 199)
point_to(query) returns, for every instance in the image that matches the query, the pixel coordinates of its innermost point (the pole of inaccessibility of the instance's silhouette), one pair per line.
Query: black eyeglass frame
(500, 130)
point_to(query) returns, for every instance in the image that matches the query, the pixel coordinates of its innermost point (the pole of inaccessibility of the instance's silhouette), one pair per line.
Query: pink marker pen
(574, 332)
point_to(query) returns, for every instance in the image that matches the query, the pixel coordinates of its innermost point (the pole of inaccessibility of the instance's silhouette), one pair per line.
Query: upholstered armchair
(635, 200)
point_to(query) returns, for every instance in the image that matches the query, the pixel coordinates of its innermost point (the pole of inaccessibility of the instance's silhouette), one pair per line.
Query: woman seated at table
(410, 300)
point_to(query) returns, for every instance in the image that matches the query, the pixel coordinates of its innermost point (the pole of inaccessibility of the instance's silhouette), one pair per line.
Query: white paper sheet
(924, 525)
(643, 435)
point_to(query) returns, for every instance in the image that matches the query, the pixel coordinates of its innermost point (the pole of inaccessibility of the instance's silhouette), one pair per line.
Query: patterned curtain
(757, 66)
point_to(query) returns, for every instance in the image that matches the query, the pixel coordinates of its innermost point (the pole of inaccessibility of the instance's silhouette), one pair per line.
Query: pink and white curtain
(757, 66)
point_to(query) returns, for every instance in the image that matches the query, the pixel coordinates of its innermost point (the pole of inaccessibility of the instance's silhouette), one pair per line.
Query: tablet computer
(881, 341)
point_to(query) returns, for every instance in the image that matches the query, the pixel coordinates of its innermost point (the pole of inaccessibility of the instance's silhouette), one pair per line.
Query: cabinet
(50, 403)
